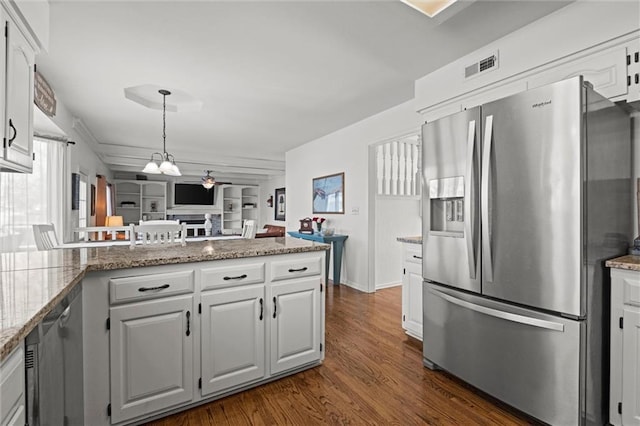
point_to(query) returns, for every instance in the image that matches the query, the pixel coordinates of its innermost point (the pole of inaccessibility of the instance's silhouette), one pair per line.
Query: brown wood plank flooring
(372, 375)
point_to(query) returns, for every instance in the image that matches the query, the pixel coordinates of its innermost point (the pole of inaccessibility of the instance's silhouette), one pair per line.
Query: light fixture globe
(151, 168)
(168, 167)
(208, 181)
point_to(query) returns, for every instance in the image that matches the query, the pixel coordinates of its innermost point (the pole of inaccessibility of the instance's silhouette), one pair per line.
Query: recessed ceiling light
(429, 7)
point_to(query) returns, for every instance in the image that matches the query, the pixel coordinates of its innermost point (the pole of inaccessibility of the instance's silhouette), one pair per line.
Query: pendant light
(208, 181)
(167, 161)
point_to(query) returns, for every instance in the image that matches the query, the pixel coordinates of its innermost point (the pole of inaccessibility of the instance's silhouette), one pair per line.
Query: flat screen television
(192, 194)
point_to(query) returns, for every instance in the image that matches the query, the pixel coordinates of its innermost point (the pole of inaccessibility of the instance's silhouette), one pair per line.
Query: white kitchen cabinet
(295, 323)
(138, 360)
(412, 289)
(12, 396)
(232, 337)
(624, 409)
(606, 71)
(151, 343)
(18, 66)
(239, 203)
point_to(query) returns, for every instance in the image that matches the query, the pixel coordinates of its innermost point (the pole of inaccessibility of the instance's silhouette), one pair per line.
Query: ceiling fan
(209, 181)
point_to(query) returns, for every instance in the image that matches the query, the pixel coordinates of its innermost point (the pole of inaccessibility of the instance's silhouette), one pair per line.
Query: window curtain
(28, 199)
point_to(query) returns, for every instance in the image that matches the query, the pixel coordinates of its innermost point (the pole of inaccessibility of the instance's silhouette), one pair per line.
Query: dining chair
(45, 236)
(249, 229)
(158, 233)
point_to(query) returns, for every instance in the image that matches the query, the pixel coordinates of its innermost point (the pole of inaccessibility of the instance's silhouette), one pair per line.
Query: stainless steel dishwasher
(54, 365)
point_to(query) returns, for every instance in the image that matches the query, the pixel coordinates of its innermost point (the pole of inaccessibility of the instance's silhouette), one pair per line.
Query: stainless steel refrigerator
(523, 200)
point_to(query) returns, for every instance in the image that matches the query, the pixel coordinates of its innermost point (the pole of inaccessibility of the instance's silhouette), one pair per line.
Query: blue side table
(337, 243)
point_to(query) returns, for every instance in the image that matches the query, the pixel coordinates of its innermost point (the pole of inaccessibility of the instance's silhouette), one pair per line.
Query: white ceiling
(272, 75)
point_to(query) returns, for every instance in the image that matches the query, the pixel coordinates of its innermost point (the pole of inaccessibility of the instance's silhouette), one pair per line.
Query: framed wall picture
(281, 200)
(75, 191)
(93, 200)
(328, 194)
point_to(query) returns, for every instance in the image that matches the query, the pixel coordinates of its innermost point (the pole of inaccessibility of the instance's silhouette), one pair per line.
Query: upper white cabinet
(606, 71)
(17, 78)
(624, 408)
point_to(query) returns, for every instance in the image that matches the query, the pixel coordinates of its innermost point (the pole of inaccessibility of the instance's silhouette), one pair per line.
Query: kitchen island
(169, 327)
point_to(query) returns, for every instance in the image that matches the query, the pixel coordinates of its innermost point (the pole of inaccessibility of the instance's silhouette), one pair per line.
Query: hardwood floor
(372, 374)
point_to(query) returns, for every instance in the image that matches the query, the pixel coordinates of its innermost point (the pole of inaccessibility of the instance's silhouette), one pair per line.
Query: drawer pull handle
(417, 257)
(160, 287)
(275, 307)
(261, 308)
(188, 323)
(15, 133)
(298, 270)
(239, 277)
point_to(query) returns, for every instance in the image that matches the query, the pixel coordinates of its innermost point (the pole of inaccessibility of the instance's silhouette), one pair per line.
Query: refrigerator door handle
(484, 200)
(469, 214)
(508, 316)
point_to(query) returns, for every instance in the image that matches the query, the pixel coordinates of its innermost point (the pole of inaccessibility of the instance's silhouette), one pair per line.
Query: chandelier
(208, 181)
(167, 161)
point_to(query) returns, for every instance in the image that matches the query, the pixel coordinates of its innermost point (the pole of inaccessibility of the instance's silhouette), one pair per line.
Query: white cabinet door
(18, 130)
(631, 367)
(413, 316)
(295, 315)
(12, 402)
(151, 356)
(233, 346)
(412, 290)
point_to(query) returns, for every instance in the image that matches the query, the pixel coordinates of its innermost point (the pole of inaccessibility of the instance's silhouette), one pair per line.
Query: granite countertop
(629, 262)
(33, 283)
(410, 240)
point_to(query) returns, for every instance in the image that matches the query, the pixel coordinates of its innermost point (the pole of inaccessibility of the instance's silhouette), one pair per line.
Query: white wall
(345, 151)
(394, 217)
(578, 26)
(268, 189)
(82, 159)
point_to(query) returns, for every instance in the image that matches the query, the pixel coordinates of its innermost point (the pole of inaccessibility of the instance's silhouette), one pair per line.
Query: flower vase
(319, 227)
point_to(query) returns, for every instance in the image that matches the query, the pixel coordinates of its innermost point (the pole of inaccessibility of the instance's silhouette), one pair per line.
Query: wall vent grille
(486, 64)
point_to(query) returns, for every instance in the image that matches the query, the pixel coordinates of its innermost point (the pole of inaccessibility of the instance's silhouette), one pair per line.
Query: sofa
(270, 231)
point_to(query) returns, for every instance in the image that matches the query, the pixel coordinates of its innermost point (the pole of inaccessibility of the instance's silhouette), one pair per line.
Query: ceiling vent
(489, 63)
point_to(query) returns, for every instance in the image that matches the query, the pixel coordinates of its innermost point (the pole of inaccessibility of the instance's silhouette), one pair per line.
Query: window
(82, 204)
(28, 199)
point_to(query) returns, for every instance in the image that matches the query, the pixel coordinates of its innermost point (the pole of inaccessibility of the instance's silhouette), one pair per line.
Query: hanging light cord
(164, 122)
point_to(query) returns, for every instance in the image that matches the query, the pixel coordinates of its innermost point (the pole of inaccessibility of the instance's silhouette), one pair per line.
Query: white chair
(249, 229)
(45, 236)
(157, 222)
(158, 233)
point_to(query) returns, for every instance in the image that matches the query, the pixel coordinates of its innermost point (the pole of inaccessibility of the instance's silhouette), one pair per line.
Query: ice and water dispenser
(447, 206)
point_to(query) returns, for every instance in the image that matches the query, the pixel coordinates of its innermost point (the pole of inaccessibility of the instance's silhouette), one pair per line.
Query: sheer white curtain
(27, 199)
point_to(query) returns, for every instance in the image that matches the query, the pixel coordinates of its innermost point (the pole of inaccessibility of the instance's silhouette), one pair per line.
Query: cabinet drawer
(413, 253)
(631, 289)
(144, 287)
(294, 268)
(232, 275)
